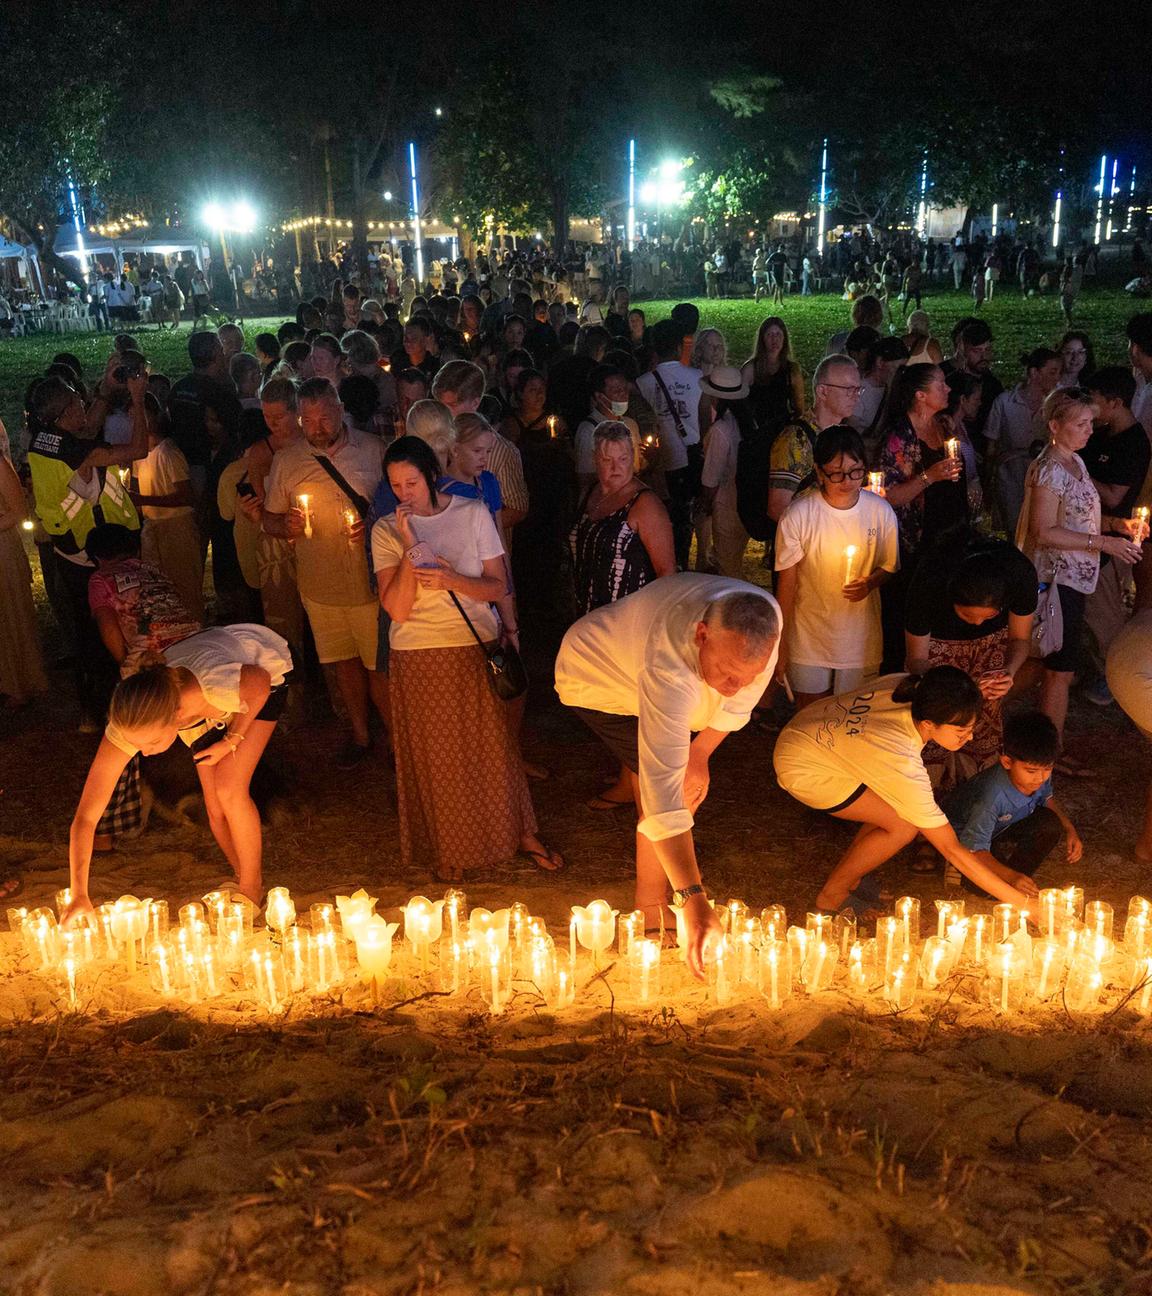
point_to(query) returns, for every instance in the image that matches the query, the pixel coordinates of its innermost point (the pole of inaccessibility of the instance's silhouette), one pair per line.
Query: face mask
(618, 407)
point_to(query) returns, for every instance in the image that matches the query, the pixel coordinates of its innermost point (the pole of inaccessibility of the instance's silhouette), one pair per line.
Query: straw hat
(725, 382)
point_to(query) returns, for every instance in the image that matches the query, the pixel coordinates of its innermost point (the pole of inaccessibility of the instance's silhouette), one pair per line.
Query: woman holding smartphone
(221, 692)
(461, 791)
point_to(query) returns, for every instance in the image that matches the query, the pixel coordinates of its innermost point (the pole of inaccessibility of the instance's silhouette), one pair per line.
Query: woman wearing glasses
(835, 547)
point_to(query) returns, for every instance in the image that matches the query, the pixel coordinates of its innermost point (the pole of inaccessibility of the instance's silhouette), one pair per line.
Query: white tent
(144, 241)
(10, 251)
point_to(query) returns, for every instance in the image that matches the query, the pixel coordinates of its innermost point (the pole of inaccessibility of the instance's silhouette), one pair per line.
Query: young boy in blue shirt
(1007, 814)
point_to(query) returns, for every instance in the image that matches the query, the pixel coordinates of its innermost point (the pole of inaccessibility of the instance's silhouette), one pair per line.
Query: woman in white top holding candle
(857, 757)
(460, 787)
(835, 547)
(1060, 530)
(221, 692)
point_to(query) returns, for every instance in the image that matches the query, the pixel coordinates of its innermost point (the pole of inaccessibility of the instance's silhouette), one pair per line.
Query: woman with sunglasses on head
(835, 546)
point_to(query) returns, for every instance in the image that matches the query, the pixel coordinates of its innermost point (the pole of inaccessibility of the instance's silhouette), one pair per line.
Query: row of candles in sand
(216, 943)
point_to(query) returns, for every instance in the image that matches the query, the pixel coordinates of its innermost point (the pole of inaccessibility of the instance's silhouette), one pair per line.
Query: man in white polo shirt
(307, 502)
(687, 654)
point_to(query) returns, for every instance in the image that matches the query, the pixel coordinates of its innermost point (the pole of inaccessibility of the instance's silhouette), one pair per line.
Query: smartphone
(245, 489)
(421, 555)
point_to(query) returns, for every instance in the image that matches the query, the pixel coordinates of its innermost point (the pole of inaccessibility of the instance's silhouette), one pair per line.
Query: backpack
(753, 471)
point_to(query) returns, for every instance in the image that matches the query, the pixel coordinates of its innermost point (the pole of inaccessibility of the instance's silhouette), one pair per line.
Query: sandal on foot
(1072, 768)
(665, 935)
(546, 860)
(11, 887)
(926, 861)
(607, 803)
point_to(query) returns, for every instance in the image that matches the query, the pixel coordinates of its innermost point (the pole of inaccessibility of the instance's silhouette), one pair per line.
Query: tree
(53, 133)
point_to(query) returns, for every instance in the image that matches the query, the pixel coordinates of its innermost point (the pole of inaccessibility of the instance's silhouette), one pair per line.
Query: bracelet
(924, 479)
(1091, 549)
(232, 739)
(681, 894)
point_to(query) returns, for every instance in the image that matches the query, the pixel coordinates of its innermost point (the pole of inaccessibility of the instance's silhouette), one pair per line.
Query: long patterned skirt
(973, 656)
(463, 799)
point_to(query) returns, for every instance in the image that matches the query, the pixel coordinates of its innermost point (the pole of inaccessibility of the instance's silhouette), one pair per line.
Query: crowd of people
(395, 502)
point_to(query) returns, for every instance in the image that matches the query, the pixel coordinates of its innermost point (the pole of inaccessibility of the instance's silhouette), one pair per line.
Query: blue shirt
(488, 491)
(986, 805)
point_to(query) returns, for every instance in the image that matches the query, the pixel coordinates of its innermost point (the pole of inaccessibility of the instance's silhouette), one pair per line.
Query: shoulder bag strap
(337, 476)
(670, 402)
(467, 620)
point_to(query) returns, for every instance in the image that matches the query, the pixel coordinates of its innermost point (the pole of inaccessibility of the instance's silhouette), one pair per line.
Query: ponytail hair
(150, 697)
(942, 695)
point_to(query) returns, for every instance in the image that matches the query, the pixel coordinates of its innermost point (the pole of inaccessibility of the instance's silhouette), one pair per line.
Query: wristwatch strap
(685, 893)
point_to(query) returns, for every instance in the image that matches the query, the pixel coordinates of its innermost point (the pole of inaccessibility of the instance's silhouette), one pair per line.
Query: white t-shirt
(721, 447)
(159, 473)
(683, 385)
(331, 569)
(117, 429)
(465, 535)
(1129, 670)
(1142, 406)
(638, 657)
(826, 629)
(215, 657)
(866, 735)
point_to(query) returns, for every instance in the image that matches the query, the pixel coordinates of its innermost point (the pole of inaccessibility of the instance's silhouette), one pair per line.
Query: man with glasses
(836, 387)
(76, 486)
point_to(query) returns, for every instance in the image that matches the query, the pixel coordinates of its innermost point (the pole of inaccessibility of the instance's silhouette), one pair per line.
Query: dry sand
(831, 1148)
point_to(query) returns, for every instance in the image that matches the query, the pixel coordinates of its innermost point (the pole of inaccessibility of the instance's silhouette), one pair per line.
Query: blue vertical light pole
(922, 217)
(78, 221)
(1059, 205)
(416, 233)
(821, 223)
(1131, 199)
(632, 195)
(1100, 197)
(1113, 190)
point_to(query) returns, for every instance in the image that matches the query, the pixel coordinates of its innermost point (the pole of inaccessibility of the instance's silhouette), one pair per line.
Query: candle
(876, 483)
(891, 943)
(63, 900)
(208, 972)
(595, 928)
(374, 951)
(552, 426)
(719, 971)
(494, 957)
(631, 930)
(849, 564)
(305, 508)
(798, 940)
(936, 961)
(423, 924)
(1003, 973)
(773, 922)
(295, 949)
(861, 965)
(351, 517)
(1143, 980)
(908, 911)
(16, 918)
(69, 964)
(1051, 910)
(1074, 901)
(1098, 917)
(191, 913)
(1047, 966)
(821, 966)
(1084, 984)
(323, 917)
(1141, 515)
(1003, 921)
(775, 971)
(734, 912)
(279, 910)
(129, 924)
(159, 958)
(947, 913)
(455, 905)
(952, 448)
(900, 984)
(644, 970)
(1136, 934)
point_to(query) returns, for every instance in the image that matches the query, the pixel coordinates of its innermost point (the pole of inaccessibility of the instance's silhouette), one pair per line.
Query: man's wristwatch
(682, 894)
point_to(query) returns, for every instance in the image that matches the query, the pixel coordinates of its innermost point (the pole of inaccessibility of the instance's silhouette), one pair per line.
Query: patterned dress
(609, 557)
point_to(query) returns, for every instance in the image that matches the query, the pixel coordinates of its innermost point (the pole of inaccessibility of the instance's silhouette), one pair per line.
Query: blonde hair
(702, 339)
(148, 698)
(462, 378)
(432, 423)
(1061, 404)
(469, 426)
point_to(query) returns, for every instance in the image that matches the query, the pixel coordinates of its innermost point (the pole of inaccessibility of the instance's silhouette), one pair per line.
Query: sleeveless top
(772, 404)
(922, 356)
(608, 557)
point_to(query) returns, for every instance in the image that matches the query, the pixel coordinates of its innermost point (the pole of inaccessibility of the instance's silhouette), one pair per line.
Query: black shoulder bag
(360, 503)
(506, 673)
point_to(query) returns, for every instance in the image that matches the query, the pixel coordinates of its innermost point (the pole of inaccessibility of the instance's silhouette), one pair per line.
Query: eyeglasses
(842, 387)
(853, 474)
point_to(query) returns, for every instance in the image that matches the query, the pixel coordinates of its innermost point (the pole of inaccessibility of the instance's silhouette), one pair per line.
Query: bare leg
(653, 893)
(883, 834)
(352, 681)
(378, 691)
(1054, 697)
(233, 778)
(217, 819)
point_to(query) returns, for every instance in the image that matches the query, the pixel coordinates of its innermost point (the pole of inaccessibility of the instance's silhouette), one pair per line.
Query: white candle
(305, 508)
(849, 564)
(876, 483)
(952, 448)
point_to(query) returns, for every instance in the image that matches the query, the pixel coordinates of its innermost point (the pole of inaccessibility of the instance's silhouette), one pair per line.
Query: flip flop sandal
(866, 900)
(603, 803)
(14, 881)
(545, 860)
(926, 862)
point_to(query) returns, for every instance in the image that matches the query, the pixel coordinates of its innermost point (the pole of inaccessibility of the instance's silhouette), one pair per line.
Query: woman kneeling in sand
(221, 692)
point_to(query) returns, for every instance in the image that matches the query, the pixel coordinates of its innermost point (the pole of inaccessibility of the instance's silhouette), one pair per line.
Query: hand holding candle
(303, 503)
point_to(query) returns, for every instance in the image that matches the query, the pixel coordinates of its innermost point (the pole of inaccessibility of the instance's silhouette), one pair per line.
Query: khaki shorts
(342, 633)
(819, 679)
(803, 772)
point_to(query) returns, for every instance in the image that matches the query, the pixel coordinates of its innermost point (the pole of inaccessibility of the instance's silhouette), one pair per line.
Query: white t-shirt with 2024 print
(825, 628)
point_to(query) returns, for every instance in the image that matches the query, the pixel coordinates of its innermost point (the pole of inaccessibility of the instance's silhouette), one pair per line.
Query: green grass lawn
(1017, 323)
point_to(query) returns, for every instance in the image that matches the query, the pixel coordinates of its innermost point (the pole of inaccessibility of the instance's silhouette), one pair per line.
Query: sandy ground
(830, 1148)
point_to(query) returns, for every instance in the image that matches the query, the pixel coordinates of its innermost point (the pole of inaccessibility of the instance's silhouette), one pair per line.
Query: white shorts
(822, 679)
(342, 633)
(802, 771)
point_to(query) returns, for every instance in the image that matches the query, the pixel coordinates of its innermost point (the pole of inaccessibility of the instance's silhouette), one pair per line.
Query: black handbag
(506, 674)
